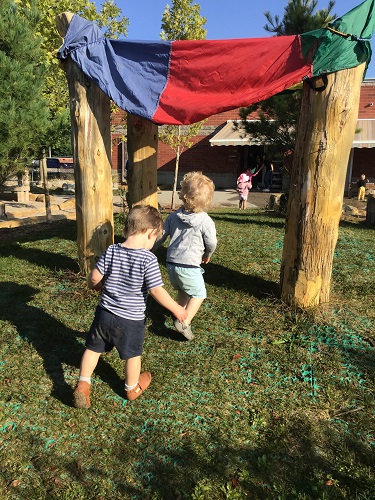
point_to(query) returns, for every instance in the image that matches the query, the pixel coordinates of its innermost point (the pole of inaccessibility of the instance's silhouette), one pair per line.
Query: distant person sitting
(361, 183)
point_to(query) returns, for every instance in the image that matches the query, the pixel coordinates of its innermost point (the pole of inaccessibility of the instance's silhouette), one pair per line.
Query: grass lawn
(267, 402)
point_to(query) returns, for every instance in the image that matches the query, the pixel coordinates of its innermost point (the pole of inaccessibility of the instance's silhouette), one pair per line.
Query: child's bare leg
(88, 364)
(191, 305)
(192, 308)
(132, 371)
(244, 204)
(135, 381)
(82, 391)
(183, 298)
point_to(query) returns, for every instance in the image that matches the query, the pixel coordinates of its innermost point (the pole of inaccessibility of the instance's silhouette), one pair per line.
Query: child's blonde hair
(197, 192)
(143, 217)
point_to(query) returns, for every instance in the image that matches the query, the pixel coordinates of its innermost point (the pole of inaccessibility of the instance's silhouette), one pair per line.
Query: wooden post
(324, 138)
(91, 138)
(44, 176)
(142, 153)
(370, 211)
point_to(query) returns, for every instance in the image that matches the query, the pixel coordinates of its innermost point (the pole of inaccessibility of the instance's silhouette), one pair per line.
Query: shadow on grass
(55, 343)
(259, 288)
(221, 276)
(360, 224)
(41, 231)
(270, 219)
(11, 240)
(158, 316)
(39, 257)
(296, 457)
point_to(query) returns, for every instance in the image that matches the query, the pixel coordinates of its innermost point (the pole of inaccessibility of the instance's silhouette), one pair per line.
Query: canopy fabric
(182, 82)
(334, 51)
(230, 135)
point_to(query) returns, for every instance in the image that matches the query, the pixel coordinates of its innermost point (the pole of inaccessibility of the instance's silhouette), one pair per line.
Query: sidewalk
(222, 198)
(63, 207)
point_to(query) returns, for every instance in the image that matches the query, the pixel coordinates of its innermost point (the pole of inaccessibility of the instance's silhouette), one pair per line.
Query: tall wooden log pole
(324, 138)
(142, 137)
(91, 138)
(44, 177)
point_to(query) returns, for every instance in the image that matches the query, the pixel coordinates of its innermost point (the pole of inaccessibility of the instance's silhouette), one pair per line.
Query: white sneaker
(184, 329)
(266, 190)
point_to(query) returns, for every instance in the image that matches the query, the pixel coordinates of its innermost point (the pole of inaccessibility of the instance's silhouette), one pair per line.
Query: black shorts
(108, 331)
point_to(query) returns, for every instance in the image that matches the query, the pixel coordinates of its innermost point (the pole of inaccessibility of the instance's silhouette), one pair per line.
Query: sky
(225, 19)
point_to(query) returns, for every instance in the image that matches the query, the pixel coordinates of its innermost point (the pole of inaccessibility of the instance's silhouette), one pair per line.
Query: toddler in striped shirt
(126, 273)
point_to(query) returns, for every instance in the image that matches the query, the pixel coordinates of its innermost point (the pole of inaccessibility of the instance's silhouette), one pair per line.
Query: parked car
(62, 162)
(60, 168)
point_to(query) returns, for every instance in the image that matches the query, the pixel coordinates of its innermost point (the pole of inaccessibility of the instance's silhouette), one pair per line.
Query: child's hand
(98, 287)
(181, 313)
(205, 260)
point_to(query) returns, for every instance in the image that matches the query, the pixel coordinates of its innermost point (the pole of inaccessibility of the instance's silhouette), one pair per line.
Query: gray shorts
(108, 331)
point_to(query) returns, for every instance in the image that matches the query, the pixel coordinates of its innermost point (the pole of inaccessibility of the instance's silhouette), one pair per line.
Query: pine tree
(300, 16)
(23, 111)
(181, 21)
(278, 116)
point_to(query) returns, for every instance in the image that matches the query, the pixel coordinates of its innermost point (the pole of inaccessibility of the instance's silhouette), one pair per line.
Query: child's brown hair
(143, 217)
(197, 191)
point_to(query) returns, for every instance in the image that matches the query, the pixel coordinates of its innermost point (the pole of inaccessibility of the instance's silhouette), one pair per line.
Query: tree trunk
(370, 211)
(174, 191)
(91, 138)
(142, 153)
(44, 177)
(324, 138)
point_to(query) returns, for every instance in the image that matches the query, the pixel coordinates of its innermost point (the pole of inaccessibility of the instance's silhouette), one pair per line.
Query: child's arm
(161, 295)
(94, 280)
(166, 233)
(210, 242)
(158, 243)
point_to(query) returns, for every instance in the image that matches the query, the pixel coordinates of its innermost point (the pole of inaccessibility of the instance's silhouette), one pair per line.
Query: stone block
(68, 204)
(274, 201)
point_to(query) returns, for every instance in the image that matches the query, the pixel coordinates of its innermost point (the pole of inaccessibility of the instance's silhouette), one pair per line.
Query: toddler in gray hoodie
(193, 240)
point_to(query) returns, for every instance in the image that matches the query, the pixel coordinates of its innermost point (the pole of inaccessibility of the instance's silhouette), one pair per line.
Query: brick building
(222, 154)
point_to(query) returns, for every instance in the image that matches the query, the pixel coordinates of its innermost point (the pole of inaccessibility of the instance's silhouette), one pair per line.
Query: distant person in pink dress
(243, 186)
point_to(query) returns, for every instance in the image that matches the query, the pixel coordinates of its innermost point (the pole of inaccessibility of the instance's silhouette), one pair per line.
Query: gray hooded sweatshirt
(193, 236)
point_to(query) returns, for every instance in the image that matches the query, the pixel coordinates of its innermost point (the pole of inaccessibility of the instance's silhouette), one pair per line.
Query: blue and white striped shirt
(129, 274)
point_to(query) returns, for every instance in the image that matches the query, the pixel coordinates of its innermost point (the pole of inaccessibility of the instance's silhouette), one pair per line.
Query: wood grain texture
(324, 137)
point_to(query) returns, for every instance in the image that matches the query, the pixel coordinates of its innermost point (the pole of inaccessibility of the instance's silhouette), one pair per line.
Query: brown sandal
(143, 382)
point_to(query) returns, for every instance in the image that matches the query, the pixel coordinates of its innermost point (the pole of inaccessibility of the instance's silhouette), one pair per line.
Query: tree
(23, 111)
(108, 19)
(278, 116)
(179, 138)
(181, 21)
(300, 16)
(55, 88)
(58, 134)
